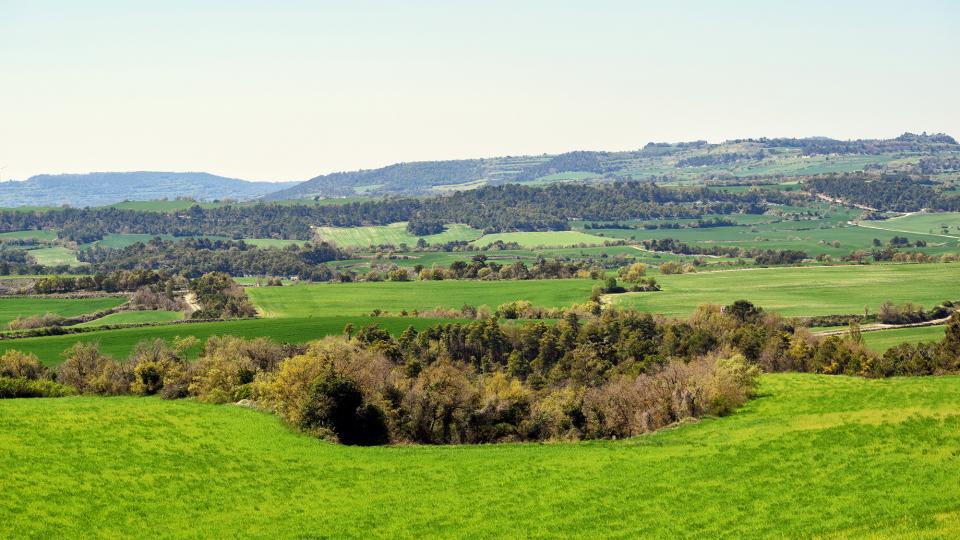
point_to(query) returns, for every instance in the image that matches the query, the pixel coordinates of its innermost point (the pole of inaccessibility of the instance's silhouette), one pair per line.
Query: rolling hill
(103, 188)
(731, 161)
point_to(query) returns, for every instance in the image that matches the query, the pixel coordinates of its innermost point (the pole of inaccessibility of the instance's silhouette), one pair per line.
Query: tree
(336, 404)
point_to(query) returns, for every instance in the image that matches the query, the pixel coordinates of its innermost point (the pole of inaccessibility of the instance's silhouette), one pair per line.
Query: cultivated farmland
(803, 291)
(814, 456)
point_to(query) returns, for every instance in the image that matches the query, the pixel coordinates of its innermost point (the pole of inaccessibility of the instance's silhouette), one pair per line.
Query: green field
(120, 342)
(162, 205)
(538, 239)
(393, 234)
(330, 299)
(947, 223)
(43, 236)
(814, 456)
(882, 340)
(54, 256)
(803, 291)
(135, 317)
(11, 308)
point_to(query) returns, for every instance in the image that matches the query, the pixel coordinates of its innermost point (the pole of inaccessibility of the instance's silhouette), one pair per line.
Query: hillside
(731, 161)
(103, 188)
(812, 456)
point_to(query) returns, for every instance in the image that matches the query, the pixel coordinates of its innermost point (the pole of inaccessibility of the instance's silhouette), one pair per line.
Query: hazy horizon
(299, 89)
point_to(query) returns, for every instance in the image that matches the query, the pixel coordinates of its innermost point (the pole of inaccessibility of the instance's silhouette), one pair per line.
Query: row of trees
(618, 374)
(195, 257)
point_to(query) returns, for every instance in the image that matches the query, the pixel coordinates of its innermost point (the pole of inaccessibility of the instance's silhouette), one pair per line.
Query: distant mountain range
(104, 188)
(742, 159)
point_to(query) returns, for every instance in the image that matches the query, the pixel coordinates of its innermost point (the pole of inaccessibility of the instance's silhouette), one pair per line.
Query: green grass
(54, 256)
(162, 205)
(814, 456)
(120, 342)
(362, 298)
(537, 239)
(41, 235)
(882, 340)
(803, 291)
(11, 308)
(393, 234)
(932, 223)
(134, 317)
(271, 242)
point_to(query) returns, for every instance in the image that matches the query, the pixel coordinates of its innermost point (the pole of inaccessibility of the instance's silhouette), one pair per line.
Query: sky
(288, 90)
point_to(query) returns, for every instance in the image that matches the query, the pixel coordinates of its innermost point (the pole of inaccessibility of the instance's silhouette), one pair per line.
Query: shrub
(36, 321)
(91, 372)
(732, 382)
(633, 273)
(228, 364)
(670, 267)
(18, 365)
(21, 387)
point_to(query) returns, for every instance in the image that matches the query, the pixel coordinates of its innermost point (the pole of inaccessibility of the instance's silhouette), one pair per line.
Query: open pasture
(542, 239)
(881, 340)
(393, 234)
(135, 317)
(946, 223)
(11, 308)
(812, 456)
(119, 342)
(40, 235)
(331, 299)
(803, 291)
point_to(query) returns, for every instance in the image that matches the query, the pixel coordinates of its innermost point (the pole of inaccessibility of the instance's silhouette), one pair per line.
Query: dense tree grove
(895, 193)
(220, 298)
(494, 209)
(195, 257)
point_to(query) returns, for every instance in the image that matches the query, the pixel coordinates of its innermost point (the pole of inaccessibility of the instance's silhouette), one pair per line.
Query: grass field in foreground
(130, 317)
(362, 298)
(814, 456)
(11, 308)
(393, 234)
(799, 291)
(119, 342)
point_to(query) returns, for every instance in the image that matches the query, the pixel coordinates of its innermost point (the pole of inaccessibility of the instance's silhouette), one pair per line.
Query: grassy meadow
(803, 291)
(119, 342)
(331, 299)
(135, 317)
(542, 239)
(394, 234)
(11, 308)
(812, 456)
(947, 223)
(882, 340)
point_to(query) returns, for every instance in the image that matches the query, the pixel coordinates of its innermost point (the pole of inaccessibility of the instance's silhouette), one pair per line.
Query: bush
(91, 372)
(671, 267)
(288, 390)
(18, 365)
(20, 387)
(732, 383)
(36, 321)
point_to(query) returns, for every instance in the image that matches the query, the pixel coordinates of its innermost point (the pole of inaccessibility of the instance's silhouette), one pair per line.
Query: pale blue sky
(286, 90)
